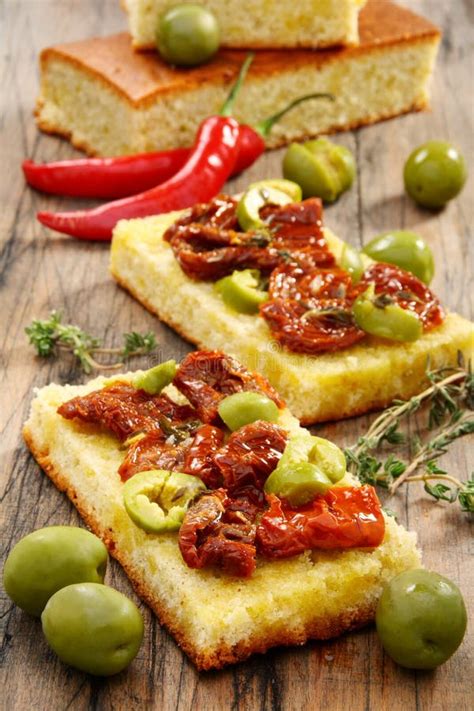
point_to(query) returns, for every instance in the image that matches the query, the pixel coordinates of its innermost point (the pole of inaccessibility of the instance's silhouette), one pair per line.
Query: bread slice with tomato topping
(334, 385)
(258, 25)
(215, 617)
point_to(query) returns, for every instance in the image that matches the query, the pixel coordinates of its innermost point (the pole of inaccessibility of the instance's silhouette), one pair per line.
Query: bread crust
(223, 655)
(141, 77)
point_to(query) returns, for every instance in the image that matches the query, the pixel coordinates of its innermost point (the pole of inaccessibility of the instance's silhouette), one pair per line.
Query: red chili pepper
(199, 180)
(113, 178)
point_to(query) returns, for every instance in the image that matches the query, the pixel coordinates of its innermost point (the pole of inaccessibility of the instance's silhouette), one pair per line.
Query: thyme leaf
(448, 405)
(51, 336)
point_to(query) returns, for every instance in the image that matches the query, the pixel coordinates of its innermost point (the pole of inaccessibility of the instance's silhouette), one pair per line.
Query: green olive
(188, 34)
(434, 174)
(240, 291)
(157, 500)
(421, 619)
(351, 262)
(327, 456)
(153, 381)
(388, 321)
(242, 409)
(265, 192)
(404, 249)
(322, 168)
(93, 628)
(49, 559)
(298, 483)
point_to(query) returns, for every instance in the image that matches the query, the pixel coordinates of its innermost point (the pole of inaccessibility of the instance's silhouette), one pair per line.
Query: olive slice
(265, 192)
(157, 500)
(390, 321)
(240, 291)
(153, 381)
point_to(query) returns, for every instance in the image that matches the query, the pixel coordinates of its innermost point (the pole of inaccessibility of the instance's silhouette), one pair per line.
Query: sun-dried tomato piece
(124, 410)
(209, 536)
(250, 456)
(406, 290)
(199, 459)
(154, 451)
(206, 377)
(208, 244)
(299, 331)
(344, 517)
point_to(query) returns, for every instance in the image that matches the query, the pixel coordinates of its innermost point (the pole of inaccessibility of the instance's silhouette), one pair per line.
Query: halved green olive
(404, 249)
(240, 291)
(389, 321)
(265, 192)
(153, 381)
(298, 483)
(327, 456)
(157, 500)
(242, 409)
(351, 262)
(322, 168)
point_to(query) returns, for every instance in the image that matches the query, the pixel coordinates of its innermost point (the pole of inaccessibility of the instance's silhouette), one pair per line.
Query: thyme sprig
(50, 336)
(449, 402)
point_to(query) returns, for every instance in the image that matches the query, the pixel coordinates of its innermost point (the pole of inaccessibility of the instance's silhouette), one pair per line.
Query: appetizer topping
(153, 381)
(258, 195)
(240, 291)
(344, 517)
(199, 458)
(394, 285)
(250, 455)
(214, 534)
(156, 501)
(403, 249)
(312, 305)
(322, 168)
(244, 408)
(207, 377)
(309, 466)
(175, 451)
(124, 410)
(208, 244)
(310, 311)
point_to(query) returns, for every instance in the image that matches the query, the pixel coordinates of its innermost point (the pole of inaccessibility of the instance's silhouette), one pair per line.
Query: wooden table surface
(41, 271)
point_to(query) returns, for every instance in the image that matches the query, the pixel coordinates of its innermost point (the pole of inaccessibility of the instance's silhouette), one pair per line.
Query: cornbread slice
(109, 100)
(330, 386)
(216, 619)
(246, 23)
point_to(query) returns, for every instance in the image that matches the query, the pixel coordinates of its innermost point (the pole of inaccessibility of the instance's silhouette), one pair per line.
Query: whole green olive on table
(404, 249)
(434, 174)
(49, 559)
(187, 35)
(322, 168)
(421, 619)
(93, 628)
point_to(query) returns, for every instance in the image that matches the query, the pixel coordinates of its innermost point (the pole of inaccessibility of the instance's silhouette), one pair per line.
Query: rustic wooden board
(40, 271)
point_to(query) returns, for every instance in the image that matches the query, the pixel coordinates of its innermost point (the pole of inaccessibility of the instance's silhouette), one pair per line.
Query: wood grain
(40, 271)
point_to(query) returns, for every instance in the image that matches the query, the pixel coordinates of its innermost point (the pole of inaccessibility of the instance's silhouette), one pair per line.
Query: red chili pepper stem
(264, 127)
(228, 105)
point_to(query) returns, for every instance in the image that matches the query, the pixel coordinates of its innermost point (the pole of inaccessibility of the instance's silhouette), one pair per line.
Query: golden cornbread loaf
(246, 23)
(216, 619)
(329, 386)
(109, 100)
